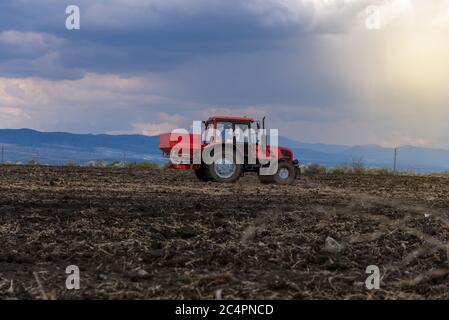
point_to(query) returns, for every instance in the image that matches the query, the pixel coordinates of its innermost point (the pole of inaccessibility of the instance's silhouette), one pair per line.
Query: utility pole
(395, 158)
(3, 154)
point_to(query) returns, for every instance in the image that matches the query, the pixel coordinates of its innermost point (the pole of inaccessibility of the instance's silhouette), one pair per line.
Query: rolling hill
(57, 148)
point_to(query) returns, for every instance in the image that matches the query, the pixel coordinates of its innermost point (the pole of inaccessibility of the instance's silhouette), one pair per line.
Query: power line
(395, 158)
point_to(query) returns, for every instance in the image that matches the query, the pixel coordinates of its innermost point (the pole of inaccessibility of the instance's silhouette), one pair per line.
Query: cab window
(208, 133)
(223, 131)
(241, 132)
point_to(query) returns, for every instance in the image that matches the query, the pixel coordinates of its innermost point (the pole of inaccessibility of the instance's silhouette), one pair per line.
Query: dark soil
(158, 234)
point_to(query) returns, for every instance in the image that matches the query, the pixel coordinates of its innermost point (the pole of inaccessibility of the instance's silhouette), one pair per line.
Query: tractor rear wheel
(225, 170)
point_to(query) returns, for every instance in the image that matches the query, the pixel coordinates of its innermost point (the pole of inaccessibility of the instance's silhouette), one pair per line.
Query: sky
(331, 71)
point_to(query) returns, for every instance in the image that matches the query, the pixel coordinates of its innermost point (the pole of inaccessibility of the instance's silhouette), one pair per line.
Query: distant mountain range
(58, 148)
(418, 159)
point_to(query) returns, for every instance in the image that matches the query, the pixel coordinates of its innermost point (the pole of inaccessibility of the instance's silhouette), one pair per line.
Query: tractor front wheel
(286, 174)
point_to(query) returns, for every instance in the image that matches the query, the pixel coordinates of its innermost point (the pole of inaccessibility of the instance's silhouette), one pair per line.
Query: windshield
(224, 133)
(244, 132)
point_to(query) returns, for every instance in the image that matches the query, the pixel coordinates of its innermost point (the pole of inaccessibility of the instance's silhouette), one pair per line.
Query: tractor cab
(215, 128)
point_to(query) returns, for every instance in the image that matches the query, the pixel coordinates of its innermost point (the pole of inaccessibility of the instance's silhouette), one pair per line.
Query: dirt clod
(332, 246)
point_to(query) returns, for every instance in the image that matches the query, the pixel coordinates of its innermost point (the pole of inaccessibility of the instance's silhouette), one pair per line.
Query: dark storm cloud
(135, 59)
(136, 36)
(219, 52)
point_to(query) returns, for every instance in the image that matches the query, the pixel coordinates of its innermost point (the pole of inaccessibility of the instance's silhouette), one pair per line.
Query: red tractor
(225, 168)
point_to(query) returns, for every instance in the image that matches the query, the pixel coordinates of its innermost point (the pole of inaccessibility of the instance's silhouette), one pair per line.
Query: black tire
(217, 177)
(286, 173)
(280, 177)
(202, 174)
